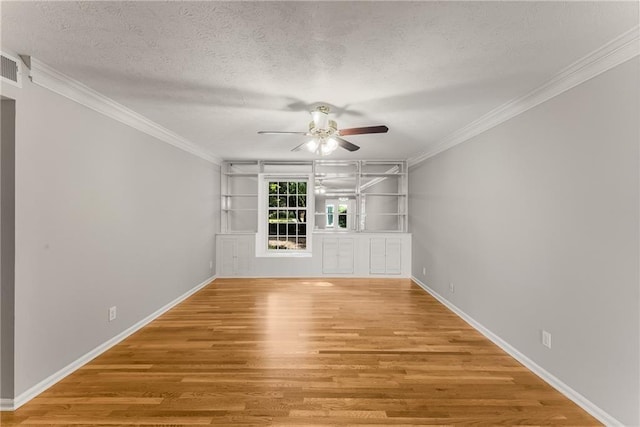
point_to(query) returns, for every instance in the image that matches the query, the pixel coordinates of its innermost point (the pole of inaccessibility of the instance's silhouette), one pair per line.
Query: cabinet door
(345, 255)
(243, 257)
(330, 255)
(228, 256)
(377, 256)
(393, 256)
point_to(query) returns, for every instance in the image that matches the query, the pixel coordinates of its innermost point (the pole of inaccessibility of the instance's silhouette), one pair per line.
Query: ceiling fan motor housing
(330, 128)
(321, 126)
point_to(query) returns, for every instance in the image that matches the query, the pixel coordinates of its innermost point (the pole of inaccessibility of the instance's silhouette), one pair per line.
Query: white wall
(536, 224)
(105, 216)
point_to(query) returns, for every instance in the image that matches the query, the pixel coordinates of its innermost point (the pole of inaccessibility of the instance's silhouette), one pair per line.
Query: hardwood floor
(303, 352)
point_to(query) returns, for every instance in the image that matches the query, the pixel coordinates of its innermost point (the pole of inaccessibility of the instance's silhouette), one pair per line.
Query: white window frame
(262, 236)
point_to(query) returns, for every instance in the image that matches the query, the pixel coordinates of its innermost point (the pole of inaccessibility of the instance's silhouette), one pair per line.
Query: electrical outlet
(452, 288)
(112, 313)
(210, 265)
(546, 339)
(424, 271)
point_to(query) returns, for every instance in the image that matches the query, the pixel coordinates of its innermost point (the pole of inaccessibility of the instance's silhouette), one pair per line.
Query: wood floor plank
(303, 352)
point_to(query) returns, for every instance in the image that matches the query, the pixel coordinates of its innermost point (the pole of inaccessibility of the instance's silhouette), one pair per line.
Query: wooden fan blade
(277, 132)
(360, 131)
(346, 144)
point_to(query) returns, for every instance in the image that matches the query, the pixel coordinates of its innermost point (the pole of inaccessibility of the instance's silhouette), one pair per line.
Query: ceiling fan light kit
(326, 137)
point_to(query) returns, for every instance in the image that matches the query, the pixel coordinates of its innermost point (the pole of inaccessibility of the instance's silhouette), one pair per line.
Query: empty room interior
(320, 213)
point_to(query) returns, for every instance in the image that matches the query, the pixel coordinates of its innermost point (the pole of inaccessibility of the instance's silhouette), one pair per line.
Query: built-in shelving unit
(350, 195)
(383, 196)
(239, 196)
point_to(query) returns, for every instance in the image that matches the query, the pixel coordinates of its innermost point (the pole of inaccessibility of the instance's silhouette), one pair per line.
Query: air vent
(10, 68)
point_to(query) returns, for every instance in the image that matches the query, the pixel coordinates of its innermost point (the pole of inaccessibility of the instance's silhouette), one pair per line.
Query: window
(342, 216)
(284, 228)
(339, 213)
(329, 216)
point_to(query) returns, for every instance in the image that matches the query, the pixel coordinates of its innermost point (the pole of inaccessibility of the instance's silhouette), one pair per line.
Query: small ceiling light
(322, 146)
(332, 144)
(312, 145)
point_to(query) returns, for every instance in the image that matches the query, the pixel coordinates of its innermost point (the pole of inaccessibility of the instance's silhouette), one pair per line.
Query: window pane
(282, 229)
(302, 188)
(273, 229)
(302, 215)
(292, 201)
(273, 187)
(273, 202)
(291, 215)
(291, 230)
(283, 188)
(293, 188)
(302, 243)
(273, 215)
(302, 201)
(302, 229)
(292, 243)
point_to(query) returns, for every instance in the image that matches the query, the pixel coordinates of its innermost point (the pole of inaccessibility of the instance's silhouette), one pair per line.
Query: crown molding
(619, 50)
(49, 78)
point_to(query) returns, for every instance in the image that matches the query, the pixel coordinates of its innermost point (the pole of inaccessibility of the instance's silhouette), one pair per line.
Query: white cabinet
(333, 254)
(337, 255)
(385, 255)
(234, 256)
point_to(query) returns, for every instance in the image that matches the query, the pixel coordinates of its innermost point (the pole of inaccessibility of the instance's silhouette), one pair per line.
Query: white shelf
(329, 175)
(382, 174)
(239, 181)
(231, 174)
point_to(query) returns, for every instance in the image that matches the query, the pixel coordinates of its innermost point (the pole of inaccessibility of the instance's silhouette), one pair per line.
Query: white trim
(6, 404)
(12, 405)
(617, 51)
(49, 78)
(549, 378)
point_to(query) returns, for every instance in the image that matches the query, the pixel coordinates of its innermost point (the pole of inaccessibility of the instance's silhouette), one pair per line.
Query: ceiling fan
(326, 136)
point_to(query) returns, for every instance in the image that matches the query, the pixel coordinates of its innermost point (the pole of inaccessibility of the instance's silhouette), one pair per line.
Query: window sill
(268, 254)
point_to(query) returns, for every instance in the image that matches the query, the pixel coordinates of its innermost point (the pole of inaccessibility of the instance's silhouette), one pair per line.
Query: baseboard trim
(549, 378)
(13, 404)
(6, 404)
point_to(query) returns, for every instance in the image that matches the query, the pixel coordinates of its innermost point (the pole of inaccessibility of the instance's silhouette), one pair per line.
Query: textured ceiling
(217, 72)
